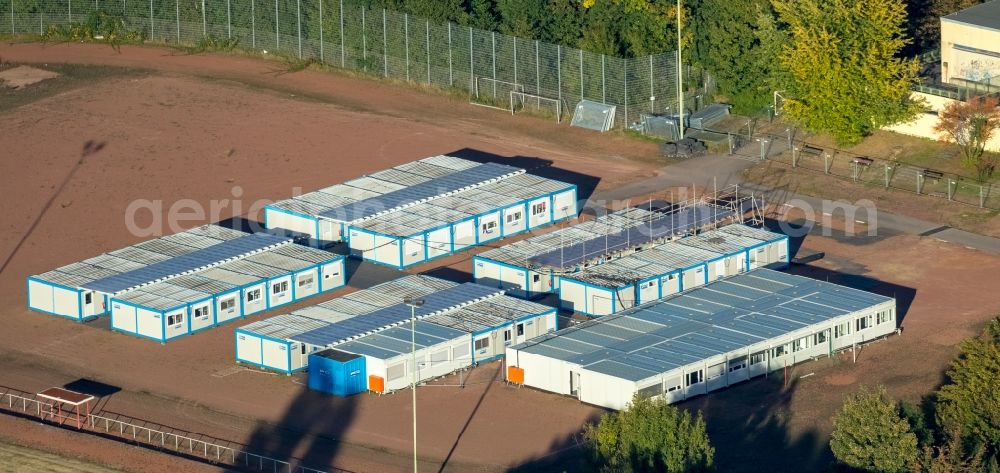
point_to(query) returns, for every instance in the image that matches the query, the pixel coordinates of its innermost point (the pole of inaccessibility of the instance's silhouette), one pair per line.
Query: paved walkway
(723, 171)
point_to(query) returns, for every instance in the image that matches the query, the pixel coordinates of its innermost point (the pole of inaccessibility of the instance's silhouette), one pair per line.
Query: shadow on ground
(309, 431)
(585, 184)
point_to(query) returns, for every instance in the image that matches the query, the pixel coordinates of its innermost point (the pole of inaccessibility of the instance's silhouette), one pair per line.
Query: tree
(650, 435)
(971, 124)
(728, 43)
(925, 19)
(970, 402)
(869, 434)
(844, 75)
(948, 458)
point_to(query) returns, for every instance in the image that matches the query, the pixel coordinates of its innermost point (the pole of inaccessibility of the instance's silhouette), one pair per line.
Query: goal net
(535, 104)
(494, 92)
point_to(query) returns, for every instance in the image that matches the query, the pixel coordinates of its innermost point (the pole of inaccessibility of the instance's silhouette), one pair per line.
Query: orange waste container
(515, 374)
(376, 383)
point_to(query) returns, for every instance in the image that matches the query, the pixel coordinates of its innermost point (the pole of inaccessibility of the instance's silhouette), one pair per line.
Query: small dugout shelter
(424, 210)
(457, 326)
(61, 291)
(672, 267)
(706, 339)
(532, 267)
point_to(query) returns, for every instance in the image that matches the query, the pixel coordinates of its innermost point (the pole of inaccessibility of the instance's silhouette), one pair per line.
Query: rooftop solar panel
(392, 315)
(681, 221)
(425, 190)
(187, 262)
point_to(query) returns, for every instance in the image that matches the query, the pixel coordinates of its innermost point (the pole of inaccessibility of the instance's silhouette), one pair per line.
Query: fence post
(253, 24)
(152, 33)
(493, 37)
(177, 7)
(322, 52)
(343, 47)
(652, 96)
(559, 71)
(515, 61)
(427, 41)
(204, 20)
(888, 175)
(69, 12)
(625, 67)
(538, 75)
(826, 163)
(385, 48)
(920, 183)
(951, 191)
(229, 18)
(451, 77)
(581, 74)
(298, 23)
(472, 67)
(277, 31)
(604, 83)
(982, 197)
(406, 42)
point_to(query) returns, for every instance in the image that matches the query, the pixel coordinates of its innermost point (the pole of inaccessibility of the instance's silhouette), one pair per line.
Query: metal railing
(872, 171)
(124, 428)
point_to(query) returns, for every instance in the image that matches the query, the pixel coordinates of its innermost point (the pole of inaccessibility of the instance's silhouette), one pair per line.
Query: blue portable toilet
(337, 372)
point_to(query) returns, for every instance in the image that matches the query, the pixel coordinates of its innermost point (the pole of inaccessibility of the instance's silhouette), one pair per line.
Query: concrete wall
(957, 61)
(923, 125)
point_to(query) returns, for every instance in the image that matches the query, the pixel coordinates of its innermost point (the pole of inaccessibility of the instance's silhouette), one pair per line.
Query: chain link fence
(869, 171)
(392, 45)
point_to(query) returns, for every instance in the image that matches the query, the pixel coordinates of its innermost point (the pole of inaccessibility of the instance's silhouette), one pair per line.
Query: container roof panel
(746, 310)
(186, 262)
(422, 191)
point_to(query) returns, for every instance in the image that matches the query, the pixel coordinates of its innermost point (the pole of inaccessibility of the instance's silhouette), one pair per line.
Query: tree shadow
(585, 183)
(564, 454)
(310, 431)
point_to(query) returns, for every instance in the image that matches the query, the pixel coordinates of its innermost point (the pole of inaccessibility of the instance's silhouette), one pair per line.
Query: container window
(651, 391)
(175, 319)
(279, 287)
(520, 330)
(737, 364)
(88, 298)
(227, 304)
(539, 208)
(306, 280)
(757, 358)
(396, 371)
(253, 295)
(483, 343)
(695, 377)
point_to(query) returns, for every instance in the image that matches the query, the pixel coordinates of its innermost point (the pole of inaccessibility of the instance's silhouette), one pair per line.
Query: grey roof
(985, 14)
(718, 318)
(187, 262)
(396, 341)
(419, 191)
(225, 277)
(139, 255)
(462, 205)
(364, 316)
(381, 319)
(674, 256)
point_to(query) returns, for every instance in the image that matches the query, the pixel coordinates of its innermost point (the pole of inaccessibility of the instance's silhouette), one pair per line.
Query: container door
(519, 331)
(574, 384)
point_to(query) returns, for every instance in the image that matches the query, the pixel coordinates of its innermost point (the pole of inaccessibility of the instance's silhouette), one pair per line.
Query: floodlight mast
(413, 303)
(680, 76)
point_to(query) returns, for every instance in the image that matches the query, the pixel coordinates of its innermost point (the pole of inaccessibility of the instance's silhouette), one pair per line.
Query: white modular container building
(703, 340)
(428, 217)
(458, 325)
(672, 267)
(532, 267)
(227, 290)
(61, 291)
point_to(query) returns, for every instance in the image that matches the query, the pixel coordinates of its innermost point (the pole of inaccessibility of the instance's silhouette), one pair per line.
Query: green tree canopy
(869, 434)
(843, 74)
(728, 43)
(650, 435)
(970, 402)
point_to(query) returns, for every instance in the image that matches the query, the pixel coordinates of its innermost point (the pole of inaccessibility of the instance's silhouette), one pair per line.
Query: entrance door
(574, 384)
(519, 331)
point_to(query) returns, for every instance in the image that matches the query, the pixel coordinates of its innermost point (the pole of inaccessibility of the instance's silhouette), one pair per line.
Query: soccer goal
(536, 105)
(493, 93)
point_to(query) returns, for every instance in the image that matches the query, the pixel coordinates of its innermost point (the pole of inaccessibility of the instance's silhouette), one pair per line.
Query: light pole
(680, 75)
(413, 304)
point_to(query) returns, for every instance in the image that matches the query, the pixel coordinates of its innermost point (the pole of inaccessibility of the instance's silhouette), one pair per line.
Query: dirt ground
(202, 128)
